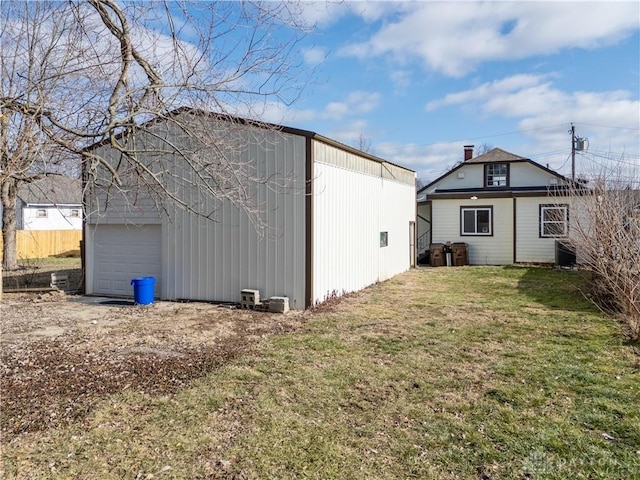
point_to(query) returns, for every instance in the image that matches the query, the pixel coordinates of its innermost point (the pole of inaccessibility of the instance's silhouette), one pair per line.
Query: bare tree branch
(605, 231)
(105, 72)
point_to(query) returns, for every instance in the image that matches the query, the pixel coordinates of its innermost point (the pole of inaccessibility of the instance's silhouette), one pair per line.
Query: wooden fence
(47, 243)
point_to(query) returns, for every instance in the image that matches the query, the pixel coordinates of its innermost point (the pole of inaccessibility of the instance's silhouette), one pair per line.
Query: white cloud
(314, 56)
(321, 13)
(610, 119)
(454, 38)
(351, 132)
(428, 161)
(355, 103)
(326, 13)
(401, 79)
(489, 90)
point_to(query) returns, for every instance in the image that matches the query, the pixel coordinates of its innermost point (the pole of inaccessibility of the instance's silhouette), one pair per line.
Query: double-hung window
(496, 175)
(554, 221)
(476, 221)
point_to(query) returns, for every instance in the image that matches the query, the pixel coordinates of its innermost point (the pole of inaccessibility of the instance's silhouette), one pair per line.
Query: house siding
(473, 176)
(494, 250)
(524, 174)
(529, 246)
(354, 200)
(58, 218)
(521, 174)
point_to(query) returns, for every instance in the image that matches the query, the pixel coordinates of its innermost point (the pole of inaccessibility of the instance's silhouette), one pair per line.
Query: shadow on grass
(40, 277)
(68, 254)
(556, 289)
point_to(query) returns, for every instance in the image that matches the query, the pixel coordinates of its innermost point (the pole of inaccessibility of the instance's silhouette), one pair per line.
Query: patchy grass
(36, 273)
(473, 373)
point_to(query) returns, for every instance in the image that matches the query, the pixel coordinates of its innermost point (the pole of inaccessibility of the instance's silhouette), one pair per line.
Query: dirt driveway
(60, 354)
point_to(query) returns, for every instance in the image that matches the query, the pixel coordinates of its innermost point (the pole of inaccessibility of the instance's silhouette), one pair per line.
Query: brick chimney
(468, 152)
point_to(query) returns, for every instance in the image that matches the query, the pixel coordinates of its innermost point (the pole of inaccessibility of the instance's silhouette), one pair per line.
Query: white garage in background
(345, 220)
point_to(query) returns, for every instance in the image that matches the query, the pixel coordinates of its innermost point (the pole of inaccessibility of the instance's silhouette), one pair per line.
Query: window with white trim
(476, 221)
(497, 175)
(554, 221)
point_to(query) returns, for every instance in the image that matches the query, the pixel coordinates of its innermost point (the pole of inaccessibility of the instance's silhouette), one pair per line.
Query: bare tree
(605, 231)
(363, 144)
(82, 73)
(421, 183)
(484, 148)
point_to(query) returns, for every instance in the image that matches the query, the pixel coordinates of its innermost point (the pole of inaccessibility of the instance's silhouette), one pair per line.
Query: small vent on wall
(460, 174)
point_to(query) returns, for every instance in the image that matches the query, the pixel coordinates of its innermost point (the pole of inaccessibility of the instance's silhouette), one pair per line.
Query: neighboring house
(506, 208)
(346, 220)
(53, 202)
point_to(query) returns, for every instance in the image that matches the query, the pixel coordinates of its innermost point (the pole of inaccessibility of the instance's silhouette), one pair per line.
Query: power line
(504, 134)
(608, 126)
(614, 157)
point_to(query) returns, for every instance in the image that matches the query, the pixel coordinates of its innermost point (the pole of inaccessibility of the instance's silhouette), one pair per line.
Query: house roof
(493, 156)
(52, 190)
(496, 155)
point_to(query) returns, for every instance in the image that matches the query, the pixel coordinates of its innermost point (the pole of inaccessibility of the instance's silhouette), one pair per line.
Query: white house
(345, 220)
(53, 202)
(506, 208)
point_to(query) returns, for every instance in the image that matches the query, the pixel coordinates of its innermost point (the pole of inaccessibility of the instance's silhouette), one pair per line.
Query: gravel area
(60, 354)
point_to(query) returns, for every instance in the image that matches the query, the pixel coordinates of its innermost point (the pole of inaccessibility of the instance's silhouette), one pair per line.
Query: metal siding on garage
(121, 253)
(215, 260)
(397, 210)
(346, 230)
(354, 200)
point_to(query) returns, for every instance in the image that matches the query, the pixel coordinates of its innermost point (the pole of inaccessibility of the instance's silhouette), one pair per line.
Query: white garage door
(124, 252)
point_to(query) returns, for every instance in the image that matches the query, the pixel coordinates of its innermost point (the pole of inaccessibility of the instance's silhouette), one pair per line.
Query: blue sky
(418, 80)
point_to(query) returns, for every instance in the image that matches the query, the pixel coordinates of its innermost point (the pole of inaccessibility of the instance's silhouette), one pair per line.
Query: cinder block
(279, 304)
(249, 298)
(59, 281)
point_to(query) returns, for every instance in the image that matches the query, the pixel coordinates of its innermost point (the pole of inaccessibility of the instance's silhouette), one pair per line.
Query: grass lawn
(36, 273)
(448, 373)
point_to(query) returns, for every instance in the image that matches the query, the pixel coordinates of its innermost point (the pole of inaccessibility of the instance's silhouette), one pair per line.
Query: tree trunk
(9, 224)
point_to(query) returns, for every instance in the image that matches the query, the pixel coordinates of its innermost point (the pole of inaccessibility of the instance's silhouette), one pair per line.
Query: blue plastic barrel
(143, 290)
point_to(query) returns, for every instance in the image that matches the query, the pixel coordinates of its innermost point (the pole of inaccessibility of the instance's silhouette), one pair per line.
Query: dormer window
(496, 175)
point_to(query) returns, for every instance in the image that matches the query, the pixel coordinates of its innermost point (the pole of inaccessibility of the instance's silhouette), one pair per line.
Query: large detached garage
(342, 220)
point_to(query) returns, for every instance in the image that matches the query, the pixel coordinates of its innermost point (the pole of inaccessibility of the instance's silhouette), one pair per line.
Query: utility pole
(577, 145)
(573, 153)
